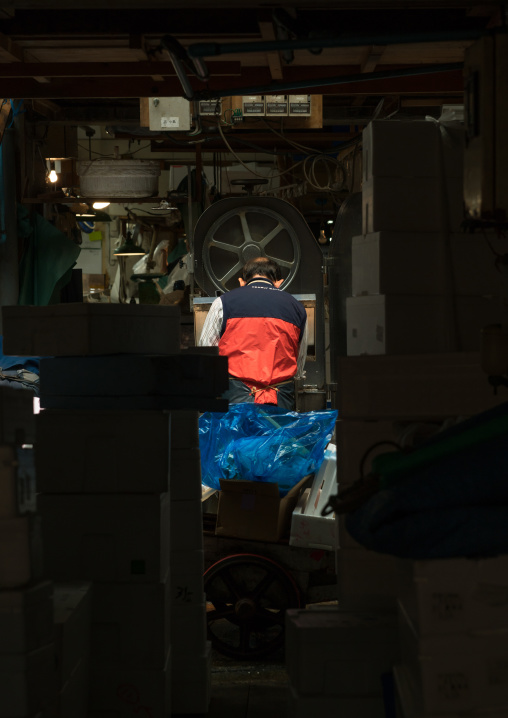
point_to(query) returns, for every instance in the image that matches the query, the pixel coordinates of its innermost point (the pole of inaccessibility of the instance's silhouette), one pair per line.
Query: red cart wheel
(247, 597)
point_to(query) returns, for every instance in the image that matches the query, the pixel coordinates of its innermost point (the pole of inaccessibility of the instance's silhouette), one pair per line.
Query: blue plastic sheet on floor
(263, 443)
(455, 507)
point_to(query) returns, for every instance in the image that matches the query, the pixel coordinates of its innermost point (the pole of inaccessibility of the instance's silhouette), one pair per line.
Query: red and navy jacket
(261, 331)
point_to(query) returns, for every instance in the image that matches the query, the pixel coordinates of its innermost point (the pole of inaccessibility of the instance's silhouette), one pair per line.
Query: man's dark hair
(263, 266)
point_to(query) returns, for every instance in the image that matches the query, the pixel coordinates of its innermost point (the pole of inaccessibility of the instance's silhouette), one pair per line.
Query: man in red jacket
(263, 332)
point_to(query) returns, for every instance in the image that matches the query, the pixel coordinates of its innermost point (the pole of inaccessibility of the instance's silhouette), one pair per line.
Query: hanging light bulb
(53, 176)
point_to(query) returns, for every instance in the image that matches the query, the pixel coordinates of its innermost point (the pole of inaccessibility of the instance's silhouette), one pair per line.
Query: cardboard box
(27, 681)
(191, 380)
(17, 424)
(131, 625)
(305, 706)
(410, 324)
(254, 509)
(415, 263)
(107, 537)
(124, 692)
(460, 672)
(454, 595)
(94, 452)
(409, 707)
(21, 558)
(192, 683)
(84, 329)
(185, 474)
(418, 386)
(72, 617)
(26, 618)
(330, 651)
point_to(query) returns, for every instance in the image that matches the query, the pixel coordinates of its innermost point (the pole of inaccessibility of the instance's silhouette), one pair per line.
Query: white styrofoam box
(130, 624)
(16, 416)
(27, 681)
(362, 573)
(414, 324)
(409, 707)
(125, 692)
(94, 452)
(454, 595)
(106, 537)
(394, 148)
(308, 527)
(305, 706)
(192, 683)
(461, 672)
(21, 558)
(186, 525)
(186, 570)
(185, 474)
(334, 652)
(26, 618)
(91, 329)
(416, 204)
(73, 696)
(432, 263)
(188, 630)
(72, 617)
(185, 429)
(418, 386)
(190, 380)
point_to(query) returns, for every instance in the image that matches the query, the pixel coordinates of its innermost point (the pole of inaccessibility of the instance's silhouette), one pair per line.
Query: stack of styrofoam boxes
(102, 454)
(72, 616)
(339, 661)
(453, 623)
(418, 284)
(383, 399)
(190, 650)
(27, 648)
(104, 502)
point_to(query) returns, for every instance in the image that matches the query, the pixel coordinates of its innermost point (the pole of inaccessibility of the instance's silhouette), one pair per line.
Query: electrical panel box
(486, 107)
(276, 105)
(299, 105)
(169, 114)
(253, 106)
(211, 107)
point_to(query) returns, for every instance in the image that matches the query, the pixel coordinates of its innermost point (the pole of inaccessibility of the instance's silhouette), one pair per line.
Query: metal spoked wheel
(247, 597)
(244, 232)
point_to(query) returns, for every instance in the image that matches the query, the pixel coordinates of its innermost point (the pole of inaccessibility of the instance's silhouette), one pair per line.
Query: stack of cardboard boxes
(115, 384)
(453, 624)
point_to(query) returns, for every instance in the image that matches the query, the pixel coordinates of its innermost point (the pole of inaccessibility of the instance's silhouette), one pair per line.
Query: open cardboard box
(254, 509)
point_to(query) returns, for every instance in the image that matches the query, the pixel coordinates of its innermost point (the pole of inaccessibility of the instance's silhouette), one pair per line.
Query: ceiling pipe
(212, 49)
(277, 88)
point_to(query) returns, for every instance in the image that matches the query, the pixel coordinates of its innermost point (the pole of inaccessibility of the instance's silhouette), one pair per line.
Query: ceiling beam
(108, 69)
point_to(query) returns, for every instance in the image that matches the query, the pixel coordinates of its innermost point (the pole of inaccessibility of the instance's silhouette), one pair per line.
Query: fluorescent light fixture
(101, 205)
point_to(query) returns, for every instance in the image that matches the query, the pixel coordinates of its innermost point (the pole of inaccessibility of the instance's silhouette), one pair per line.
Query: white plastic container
(119, 178)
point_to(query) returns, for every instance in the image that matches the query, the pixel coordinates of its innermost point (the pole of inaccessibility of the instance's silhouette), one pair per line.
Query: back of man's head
(261, 266)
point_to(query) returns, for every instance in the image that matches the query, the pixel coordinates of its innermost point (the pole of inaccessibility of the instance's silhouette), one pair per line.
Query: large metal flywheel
(235, 230)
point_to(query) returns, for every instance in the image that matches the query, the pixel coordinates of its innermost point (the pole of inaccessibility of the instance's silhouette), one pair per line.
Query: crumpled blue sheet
(263, 443)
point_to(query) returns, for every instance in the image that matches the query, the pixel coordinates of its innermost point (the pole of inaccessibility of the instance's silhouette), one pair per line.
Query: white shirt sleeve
(210, 334)
(302, 354)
